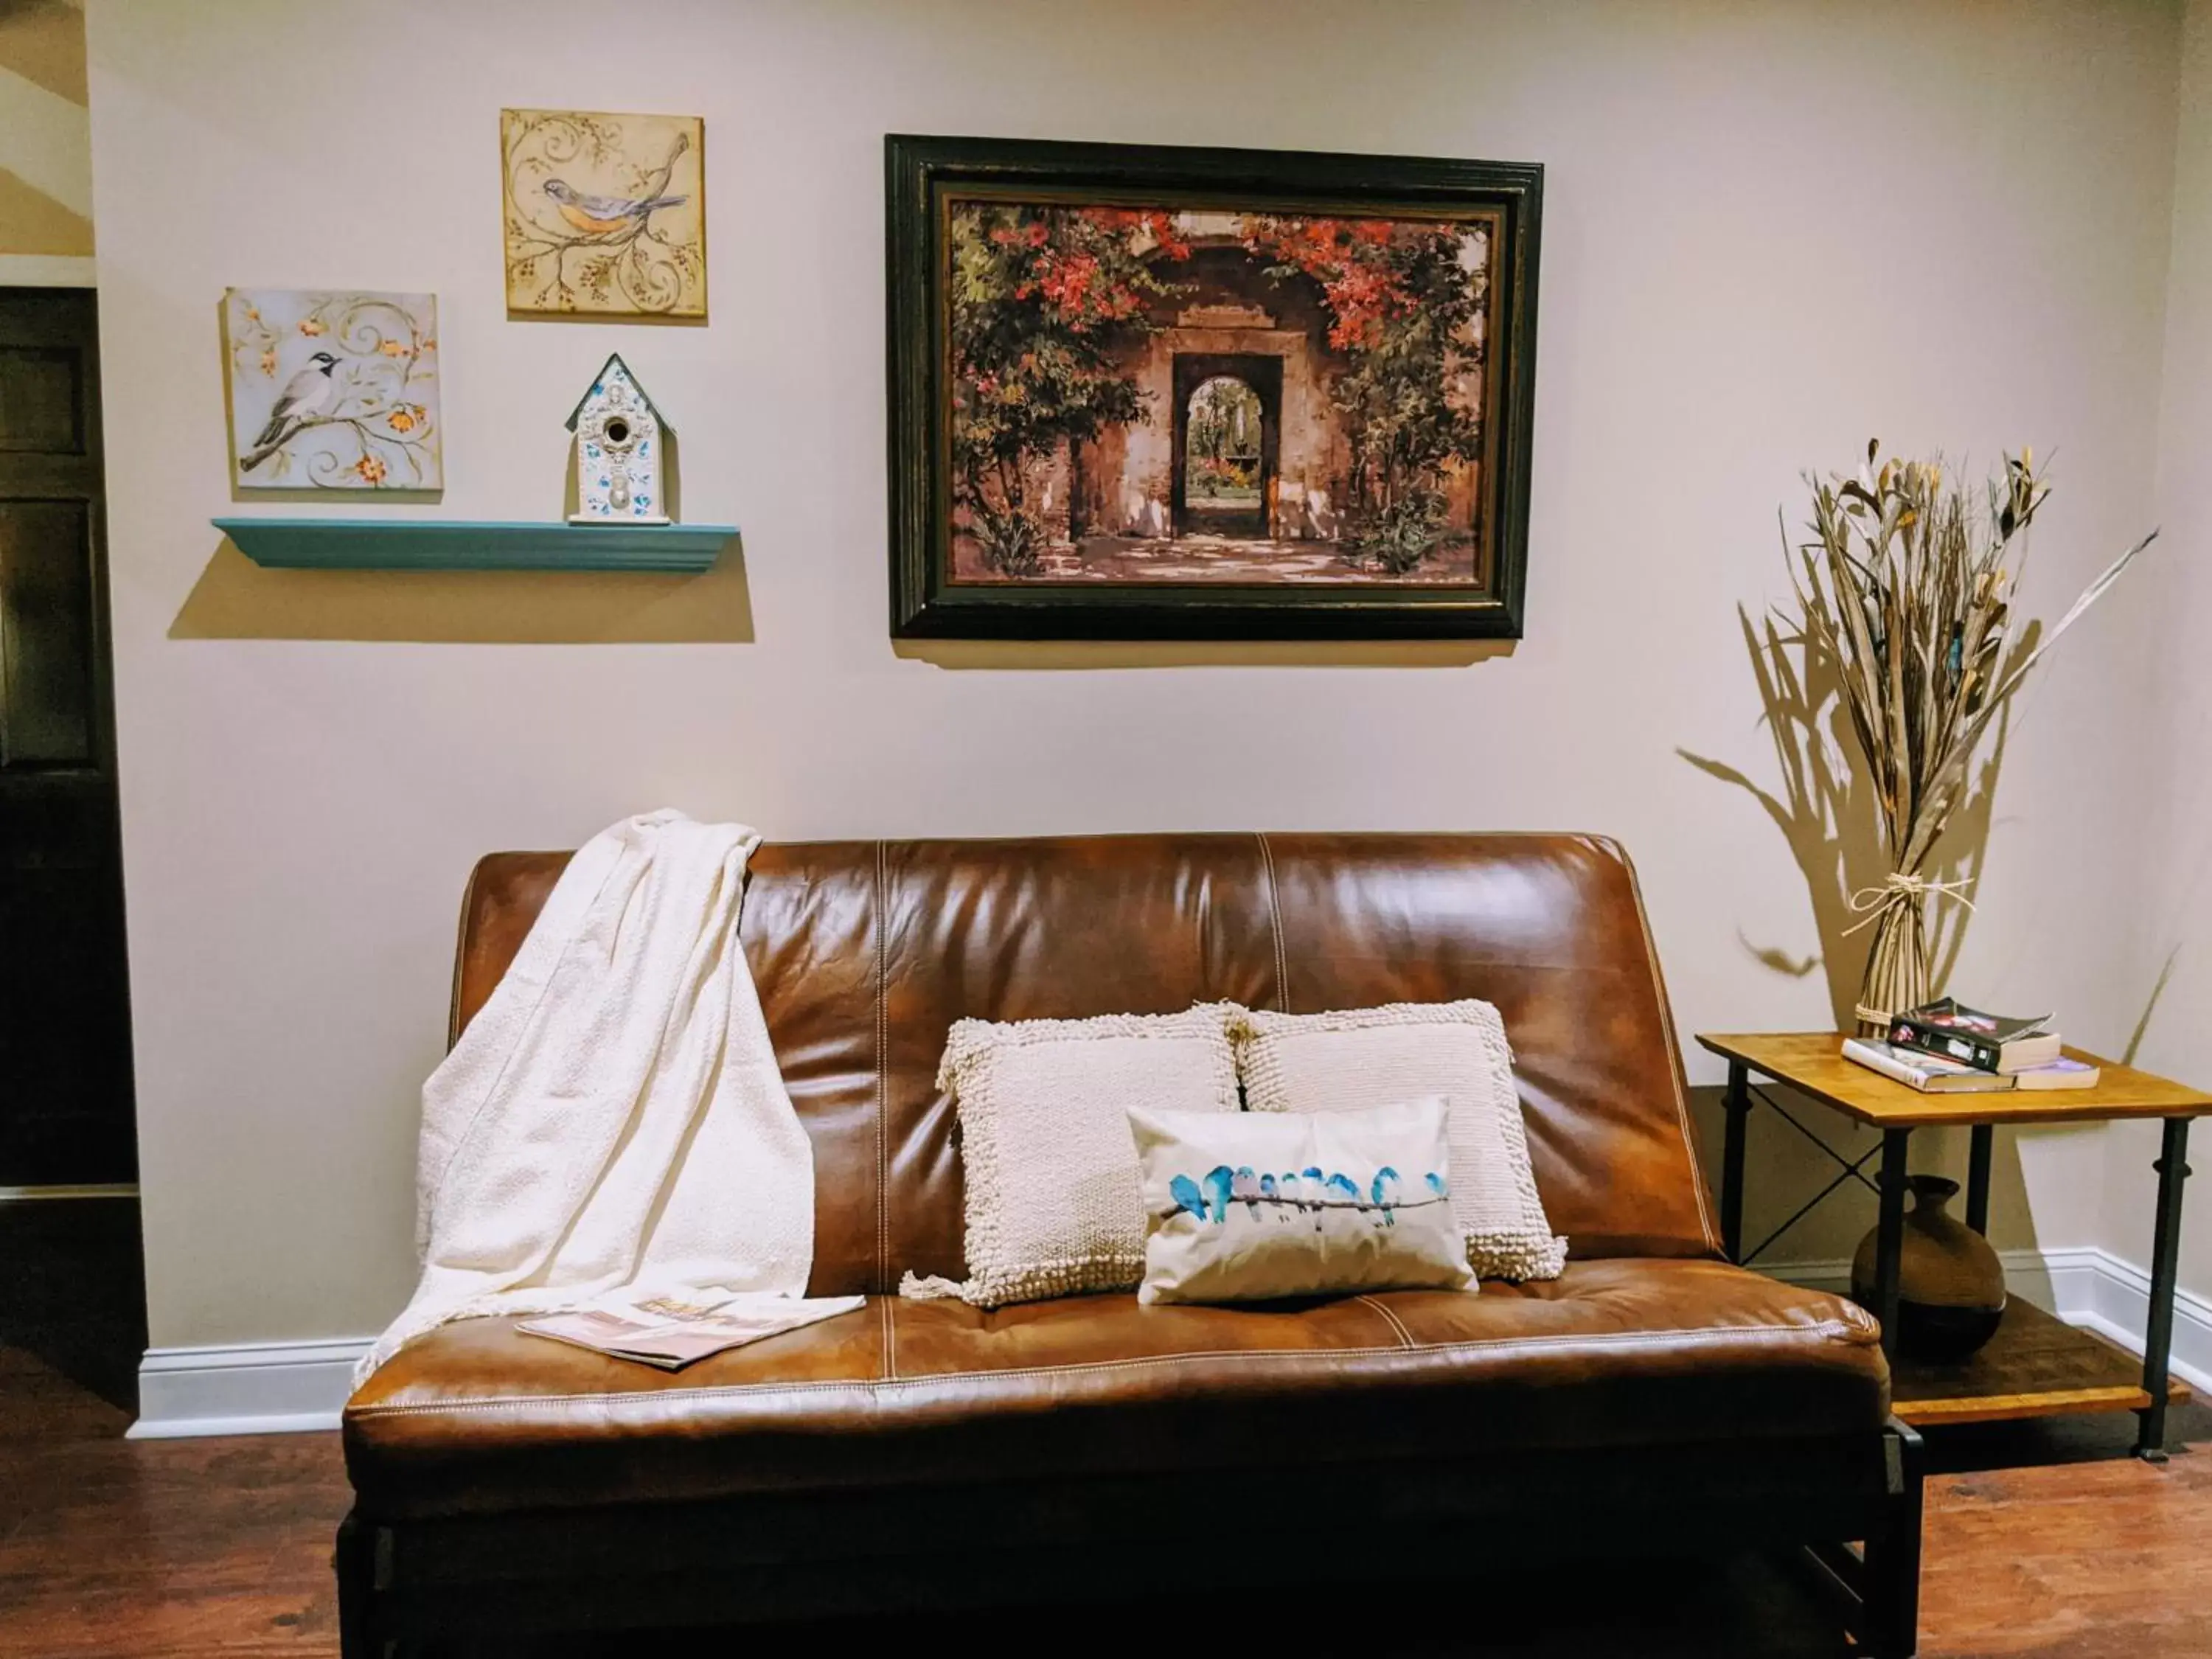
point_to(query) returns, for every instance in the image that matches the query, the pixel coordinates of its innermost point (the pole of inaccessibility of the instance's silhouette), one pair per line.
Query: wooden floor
(149, 1549)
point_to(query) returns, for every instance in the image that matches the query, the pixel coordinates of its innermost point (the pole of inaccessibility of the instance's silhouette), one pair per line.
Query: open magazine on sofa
(670, 1334)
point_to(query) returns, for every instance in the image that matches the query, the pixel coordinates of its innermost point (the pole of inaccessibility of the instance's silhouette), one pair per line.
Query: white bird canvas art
(333, 389)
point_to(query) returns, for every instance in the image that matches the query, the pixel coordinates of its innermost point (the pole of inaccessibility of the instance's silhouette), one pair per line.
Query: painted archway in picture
(1226, 488)
(1062, 316)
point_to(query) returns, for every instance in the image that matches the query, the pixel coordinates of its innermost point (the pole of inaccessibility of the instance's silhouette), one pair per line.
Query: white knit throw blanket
(612, 1127)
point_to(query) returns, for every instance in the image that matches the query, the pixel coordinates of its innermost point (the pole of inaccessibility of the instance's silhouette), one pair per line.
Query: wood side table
(2036, 1365)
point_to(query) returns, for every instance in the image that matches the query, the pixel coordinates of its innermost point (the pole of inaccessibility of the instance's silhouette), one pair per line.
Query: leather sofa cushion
(476, 1418)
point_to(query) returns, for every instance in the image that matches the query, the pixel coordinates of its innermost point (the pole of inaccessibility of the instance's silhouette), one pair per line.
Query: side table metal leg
(1889, 1237)
(1736, 1105)
(1977, 1177)
(2164, 1264)
(1890, 1602)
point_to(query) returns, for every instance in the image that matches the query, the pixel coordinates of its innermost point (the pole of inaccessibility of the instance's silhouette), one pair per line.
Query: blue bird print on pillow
(1385, 1192)
(1308, 1192)
(1220, 1180)
(1184, 1191)
(1309, 1180)
(1245, 1186)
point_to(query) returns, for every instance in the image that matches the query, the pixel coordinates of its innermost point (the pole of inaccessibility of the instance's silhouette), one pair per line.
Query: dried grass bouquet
(1906, 587)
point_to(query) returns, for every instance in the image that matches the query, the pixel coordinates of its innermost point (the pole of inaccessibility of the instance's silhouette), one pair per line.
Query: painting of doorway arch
(1148, 392)
(1228, 434)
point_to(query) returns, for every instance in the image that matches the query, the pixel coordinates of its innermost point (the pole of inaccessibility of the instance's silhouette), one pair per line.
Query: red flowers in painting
(1075, 260)
(1073, 285)
(1405, 300)
(1349, 258)
(1142, 226)
(1045, 300)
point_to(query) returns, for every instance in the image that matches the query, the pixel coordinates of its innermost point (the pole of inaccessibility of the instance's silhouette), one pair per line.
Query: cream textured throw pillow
(1263, 1204)
(1052, 1203)
(1347, 1062)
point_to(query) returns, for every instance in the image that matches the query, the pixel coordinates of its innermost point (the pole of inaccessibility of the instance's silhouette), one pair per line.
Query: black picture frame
(923, 175)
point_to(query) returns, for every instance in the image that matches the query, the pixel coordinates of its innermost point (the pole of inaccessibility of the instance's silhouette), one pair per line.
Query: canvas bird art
(604, 214)
(608, 215)
(305, 396)
(333, 389)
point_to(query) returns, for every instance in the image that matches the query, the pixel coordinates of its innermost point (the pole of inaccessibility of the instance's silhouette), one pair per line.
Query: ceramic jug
(1950, 1284)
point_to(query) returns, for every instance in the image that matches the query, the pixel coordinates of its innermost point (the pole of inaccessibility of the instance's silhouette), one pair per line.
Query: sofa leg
(1890, 1613)
(356, 1564)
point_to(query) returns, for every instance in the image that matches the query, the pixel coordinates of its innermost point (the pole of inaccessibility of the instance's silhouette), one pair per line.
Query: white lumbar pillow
(1354, 1060)
(1265, 1205)
(1051, 1197)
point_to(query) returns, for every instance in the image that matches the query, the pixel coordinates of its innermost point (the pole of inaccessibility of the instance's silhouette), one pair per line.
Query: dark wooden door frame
(66, 1114)
(1261, 372)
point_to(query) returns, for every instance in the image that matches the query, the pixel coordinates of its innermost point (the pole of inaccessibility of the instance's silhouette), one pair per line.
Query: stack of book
(1947, 1048)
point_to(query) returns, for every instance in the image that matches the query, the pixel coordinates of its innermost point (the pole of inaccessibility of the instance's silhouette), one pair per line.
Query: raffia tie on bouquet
(1898, 901)
(1898, 891)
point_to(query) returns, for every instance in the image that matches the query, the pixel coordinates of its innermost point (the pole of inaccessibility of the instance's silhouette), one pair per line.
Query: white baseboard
(47, 1194)
(2084, 1285)
(275, 1387)
(246, 1388)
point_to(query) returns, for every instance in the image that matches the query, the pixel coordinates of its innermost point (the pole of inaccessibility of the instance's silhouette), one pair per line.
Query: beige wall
(1771, 231)
(45, 143)
(2177, 735)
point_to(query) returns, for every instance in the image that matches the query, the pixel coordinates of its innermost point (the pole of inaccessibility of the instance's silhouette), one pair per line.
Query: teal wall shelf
(446, 544)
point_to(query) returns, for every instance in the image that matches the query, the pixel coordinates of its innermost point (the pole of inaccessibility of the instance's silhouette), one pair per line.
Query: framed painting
(606, 215)
(1146, 392)
(333, 389)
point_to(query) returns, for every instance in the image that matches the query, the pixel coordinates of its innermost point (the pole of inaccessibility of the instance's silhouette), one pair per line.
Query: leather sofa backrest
(866, 951)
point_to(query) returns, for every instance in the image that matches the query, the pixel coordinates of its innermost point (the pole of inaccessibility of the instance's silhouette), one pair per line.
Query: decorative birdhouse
(619, 451)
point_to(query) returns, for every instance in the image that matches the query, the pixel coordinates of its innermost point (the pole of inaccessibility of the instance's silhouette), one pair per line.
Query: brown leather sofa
(929, 1453)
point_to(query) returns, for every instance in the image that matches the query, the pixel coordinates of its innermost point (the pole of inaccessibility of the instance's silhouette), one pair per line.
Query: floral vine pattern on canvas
(333, 390)
(605, 213)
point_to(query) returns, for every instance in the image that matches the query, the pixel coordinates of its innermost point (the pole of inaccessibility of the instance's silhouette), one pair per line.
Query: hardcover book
(1929, 1073)
(1992, 1043)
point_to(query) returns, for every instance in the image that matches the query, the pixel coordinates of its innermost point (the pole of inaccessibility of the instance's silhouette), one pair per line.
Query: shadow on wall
(1828, 812)
(2150, 1008)
(237, 599)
